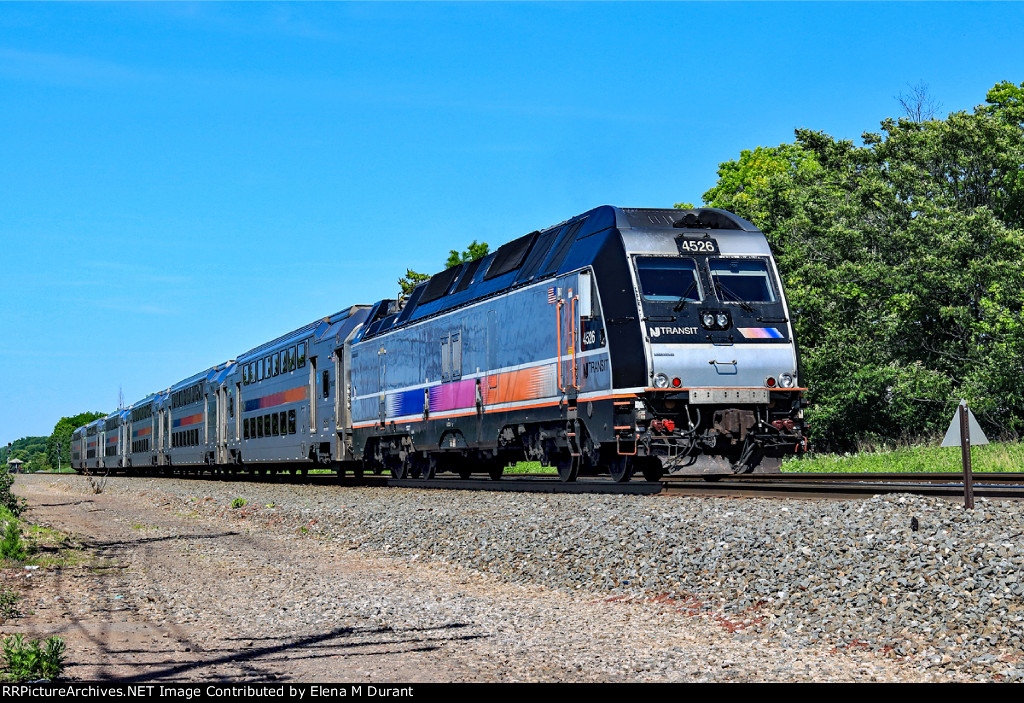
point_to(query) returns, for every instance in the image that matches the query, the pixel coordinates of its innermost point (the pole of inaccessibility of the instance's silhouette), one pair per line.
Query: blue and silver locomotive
(619, 341)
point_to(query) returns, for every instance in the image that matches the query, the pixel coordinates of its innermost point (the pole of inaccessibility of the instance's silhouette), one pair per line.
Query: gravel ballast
(905, 577)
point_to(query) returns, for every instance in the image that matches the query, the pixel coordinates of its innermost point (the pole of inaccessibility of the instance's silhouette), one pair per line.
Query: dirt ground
(156, 591)
(114, 608)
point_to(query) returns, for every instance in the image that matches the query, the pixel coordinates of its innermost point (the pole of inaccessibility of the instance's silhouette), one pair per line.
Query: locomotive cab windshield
(667, 284)
(742, 280)
(668, 280)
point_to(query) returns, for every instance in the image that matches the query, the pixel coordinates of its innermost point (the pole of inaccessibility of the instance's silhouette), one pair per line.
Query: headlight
(660, 381)
(708, 319)
(786, 380)
(722, 319)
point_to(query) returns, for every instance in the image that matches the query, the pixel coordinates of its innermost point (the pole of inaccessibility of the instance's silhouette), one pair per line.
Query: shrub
(9, 603)
(7, 499)
(238, 503)
(33, 660)
(12, 547)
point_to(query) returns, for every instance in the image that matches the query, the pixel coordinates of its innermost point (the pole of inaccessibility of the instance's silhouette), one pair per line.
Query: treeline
(41, 453)
(61, 436)
(30, 450)
(902, 260)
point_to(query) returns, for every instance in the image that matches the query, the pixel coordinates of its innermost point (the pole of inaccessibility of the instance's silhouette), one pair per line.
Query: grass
(9, 603)
(36, 545)
(529, 467)
(922, 458)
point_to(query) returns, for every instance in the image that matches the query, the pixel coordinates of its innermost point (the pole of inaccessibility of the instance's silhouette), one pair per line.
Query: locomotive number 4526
(703, 245)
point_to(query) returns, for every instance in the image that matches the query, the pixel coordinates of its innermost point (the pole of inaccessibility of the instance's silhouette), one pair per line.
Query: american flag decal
(552, 296)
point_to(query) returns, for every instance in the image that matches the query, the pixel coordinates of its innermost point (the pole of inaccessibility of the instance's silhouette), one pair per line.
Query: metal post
(965, 449)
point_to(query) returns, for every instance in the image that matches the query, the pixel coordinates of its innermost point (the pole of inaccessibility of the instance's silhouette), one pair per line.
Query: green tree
(411, 279)
(472, 253)
(1006, 101)
(30, 450)
(61, 436)
(900, 259)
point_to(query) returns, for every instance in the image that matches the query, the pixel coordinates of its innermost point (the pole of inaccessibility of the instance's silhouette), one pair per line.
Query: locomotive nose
(709, 366)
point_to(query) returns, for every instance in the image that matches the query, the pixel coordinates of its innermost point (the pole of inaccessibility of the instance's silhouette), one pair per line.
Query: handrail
(558, 342)
(572, 336)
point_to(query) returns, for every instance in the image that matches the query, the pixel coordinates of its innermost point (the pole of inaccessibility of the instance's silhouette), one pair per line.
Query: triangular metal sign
(952, 438)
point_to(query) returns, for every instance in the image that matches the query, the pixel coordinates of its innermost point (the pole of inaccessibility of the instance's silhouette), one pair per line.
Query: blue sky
(181, 182)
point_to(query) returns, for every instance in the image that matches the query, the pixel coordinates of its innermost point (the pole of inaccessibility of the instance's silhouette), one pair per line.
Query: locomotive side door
(566, 333)
(492, 349)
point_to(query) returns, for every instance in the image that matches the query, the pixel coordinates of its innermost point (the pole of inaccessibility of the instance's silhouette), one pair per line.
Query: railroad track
(811, 486)
(845, 486)
(808, 486)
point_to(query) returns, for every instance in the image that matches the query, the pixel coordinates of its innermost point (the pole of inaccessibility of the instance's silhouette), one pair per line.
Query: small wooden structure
(14, 466)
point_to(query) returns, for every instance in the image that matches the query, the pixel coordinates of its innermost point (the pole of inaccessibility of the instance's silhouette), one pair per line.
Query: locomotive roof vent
(705, 218)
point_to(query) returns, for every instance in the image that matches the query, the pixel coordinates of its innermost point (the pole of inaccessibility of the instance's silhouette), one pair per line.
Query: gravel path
(366, 584)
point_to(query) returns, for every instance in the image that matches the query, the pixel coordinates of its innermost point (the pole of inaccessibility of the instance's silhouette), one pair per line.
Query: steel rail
(945, 477)
(807, 486)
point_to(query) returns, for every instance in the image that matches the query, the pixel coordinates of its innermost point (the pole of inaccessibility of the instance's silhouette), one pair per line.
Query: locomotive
(621, 340)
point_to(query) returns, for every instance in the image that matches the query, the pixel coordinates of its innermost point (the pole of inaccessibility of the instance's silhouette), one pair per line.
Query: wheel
(456, 463)
(428, 468)
(398, 468)
(496, 470)
(621, 468)
(568, 467)
(651, 469)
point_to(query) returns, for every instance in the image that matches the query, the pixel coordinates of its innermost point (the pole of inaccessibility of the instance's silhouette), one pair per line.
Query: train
(622, 341)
